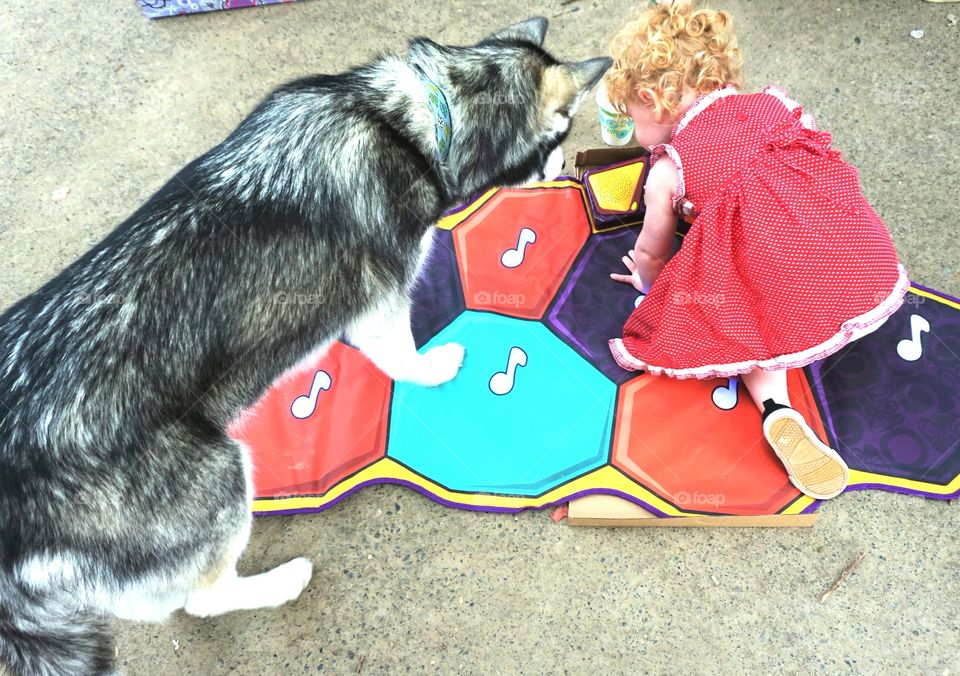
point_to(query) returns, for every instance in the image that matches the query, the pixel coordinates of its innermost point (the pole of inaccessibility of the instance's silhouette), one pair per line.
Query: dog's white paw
(287, 581)
(266, 590)
(555, 163)
(441, 364)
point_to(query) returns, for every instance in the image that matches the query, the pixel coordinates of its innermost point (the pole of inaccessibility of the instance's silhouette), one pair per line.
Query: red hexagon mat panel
(318, 425)
(514, 251)
(540, 413)
(727, 466)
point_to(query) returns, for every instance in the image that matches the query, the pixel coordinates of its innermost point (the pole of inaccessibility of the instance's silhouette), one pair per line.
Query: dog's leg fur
(231, 592)
(385, 337)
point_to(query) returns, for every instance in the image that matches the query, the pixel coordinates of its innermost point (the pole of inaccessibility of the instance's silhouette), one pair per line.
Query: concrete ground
(97, 99)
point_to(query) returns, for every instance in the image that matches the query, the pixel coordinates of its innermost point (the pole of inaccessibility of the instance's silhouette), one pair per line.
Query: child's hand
(634, 276)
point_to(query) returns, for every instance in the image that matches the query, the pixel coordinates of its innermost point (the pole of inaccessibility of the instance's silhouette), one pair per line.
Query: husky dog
(120, 491)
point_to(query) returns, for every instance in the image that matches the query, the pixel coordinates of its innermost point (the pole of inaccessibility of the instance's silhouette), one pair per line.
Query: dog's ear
(564, 84)
(532, 30)
(424, 48)
(588, 73)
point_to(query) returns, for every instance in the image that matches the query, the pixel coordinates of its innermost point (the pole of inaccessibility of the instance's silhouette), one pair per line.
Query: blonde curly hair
(669, 49)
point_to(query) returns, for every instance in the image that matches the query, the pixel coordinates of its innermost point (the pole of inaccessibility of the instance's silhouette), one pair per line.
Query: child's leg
(814, 468)
(763, 385)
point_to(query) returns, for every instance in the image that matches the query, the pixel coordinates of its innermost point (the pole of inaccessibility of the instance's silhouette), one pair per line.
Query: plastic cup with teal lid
(616, 129)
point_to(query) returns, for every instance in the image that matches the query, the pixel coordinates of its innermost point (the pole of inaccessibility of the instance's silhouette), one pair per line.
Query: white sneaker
(814, 468)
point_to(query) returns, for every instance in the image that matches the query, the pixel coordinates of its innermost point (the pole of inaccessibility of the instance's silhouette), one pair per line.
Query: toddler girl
(785, 262)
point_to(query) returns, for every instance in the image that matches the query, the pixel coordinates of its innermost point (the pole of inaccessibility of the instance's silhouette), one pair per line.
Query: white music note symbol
(304, 406)
(910, 349)
(503, 381)
(512, 258)
(725, 396)
(639, 300)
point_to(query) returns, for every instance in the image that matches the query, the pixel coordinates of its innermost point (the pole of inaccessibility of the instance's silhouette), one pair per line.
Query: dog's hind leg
(200, 547)
(221, 590)
(384, 335)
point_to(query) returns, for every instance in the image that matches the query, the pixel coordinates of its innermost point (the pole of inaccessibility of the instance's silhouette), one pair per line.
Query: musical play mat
(540, 413)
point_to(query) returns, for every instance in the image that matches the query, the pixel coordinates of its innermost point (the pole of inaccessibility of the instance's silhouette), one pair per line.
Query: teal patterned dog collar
(443, 126)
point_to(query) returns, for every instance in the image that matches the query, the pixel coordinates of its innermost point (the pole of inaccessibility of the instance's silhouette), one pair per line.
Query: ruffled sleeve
(658, 151)
(806, 119)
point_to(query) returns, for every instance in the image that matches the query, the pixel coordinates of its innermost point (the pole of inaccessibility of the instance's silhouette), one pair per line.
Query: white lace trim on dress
(701, 104)
(655, 153)
(849, 330)
(806, 119)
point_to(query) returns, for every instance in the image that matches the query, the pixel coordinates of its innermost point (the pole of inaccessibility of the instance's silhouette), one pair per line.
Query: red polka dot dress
(785, 263)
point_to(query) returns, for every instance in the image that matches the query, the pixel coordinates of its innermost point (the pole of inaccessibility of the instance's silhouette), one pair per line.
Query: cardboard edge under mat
(599, 157)
(612, 511)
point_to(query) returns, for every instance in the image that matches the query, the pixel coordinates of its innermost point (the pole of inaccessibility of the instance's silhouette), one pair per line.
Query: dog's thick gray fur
(120, 491)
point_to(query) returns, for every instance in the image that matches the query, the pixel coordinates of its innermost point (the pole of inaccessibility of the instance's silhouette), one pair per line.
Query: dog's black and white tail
(43, 636)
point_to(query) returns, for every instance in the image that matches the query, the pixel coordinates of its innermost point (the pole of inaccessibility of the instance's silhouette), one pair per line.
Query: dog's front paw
(441, 364)
(288, 580)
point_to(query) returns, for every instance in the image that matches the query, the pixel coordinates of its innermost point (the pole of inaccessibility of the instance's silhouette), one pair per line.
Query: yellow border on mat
(934, 296)
(798, 505)
(859, 477)
(455, 219)
(385, 469)
(604, 478)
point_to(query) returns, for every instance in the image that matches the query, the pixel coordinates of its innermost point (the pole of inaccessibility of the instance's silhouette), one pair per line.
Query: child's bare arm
(655, 243)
